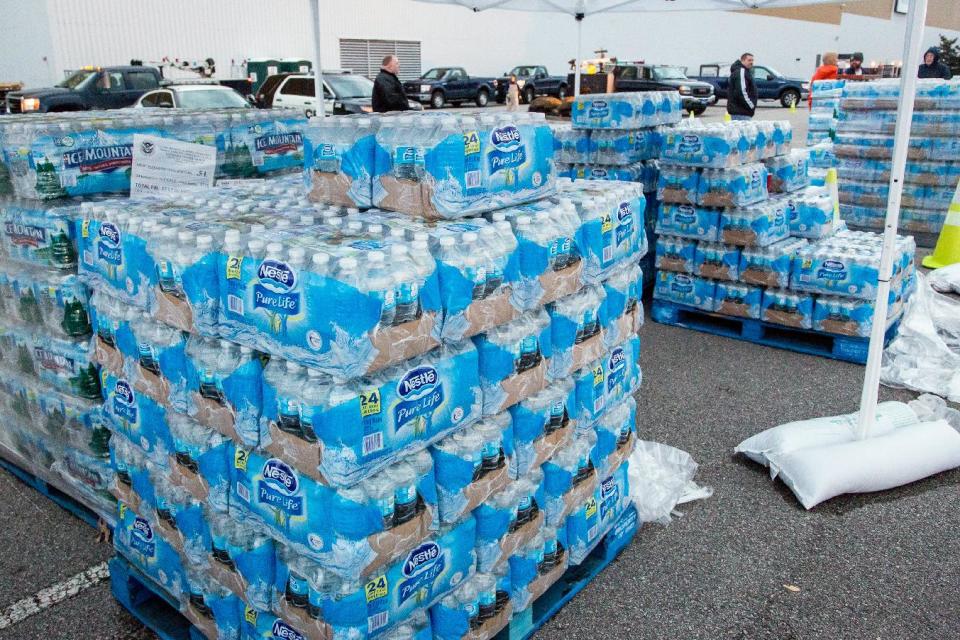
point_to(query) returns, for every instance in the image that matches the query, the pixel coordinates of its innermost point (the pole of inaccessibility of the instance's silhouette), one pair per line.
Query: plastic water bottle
(314, 393)
(492, 448)
(407, 289)
(287, 380)
(487, 590)
(474, 268)
(379, 283)
(550, 550)
(405, 492)
(468, 445)
(379, 488)
(496, 259)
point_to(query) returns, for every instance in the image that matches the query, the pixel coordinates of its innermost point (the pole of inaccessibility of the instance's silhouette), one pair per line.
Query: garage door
(364, 56)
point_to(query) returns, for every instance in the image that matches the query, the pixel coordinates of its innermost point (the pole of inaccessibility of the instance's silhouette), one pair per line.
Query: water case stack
(864, 147)
(741, 234)
(406, 421)
(618, 137)
(50, 164)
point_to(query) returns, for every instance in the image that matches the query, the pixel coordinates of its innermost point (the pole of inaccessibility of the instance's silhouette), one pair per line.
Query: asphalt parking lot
(747, 563)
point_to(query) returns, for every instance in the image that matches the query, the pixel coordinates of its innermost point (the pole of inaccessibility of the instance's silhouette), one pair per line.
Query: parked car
(88, 88)
(695, 95)
(771, 84)
(192, 95)
(344, 93)
(533, 81)
(441, 85)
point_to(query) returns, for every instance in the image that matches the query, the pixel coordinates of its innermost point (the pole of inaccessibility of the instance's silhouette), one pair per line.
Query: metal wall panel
(363, 56)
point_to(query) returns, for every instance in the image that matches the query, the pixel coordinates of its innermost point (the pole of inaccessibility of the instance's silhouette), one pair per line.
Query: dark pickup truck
(533, 81)
(88, 88)
(771, 84)
(695, 96)
(441, 85)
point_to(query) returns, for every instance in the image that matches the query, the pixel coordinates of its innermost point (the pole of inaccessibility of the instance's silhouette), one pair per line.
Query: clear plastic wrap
(925, 355)
(661, 477)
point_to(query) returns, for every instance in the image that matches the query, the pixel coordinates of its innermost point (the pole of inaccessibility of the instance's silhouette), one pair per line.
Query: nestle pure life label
(140, 542)
(319, 521)
(586, 525)
(413, 583)
(392, 414)
(301, 315)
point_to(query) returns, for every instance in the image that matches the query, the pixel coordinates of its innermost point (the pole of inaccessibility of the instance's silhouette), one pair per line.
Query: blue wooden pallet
(148, 602)
(525, 623)
(818, 343)
(58, 496)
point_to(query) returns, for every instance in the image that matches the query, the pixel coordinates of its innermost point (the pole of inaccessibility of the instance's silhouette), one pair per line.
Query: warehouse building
(45, 38)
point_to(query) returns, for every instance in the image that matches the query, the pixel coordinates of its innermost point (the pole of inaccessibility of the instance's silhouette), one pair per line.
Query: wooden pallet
(829, 345)
(55, 489)
(149, 603)
(525, 623)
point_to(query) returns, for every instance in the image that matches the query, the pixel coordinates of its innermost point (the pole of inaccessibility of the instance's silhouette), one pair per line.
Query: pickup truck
(441, 85)
(88, 88)
(771, 84)
(695, 96)
(533, 81)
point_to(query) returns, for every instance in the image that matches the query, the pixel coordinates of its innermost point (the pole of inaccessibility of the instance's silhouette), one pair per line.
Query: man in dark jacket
(932, 67)
(741, 92)
(388, 92)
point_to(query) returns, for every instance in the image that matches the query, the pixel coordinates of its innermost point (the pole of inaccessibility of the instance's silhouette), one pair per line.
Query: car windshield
(345, 86)
(523, 72)
(207, 98)
(668, 73)
(435, 74)
(76, 78)
(774, 72)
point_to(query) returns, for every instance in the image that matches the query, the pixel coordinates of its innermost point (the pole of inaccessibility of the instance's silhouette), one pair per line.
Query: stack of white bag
(925, 356)
(823, 458)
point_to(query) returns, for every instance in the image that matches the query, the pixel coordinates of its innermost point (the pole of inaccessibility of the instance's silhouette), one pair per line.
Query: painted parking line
(46, 598)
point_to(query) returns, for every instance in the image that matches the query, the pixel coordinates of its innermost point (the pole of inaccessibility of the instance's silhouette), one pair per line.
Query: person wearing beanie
(856, 65)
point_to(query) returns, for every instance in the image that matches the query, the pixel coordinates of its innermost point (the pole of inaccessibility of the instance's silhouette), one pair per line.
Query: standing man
(932, 67)
(388, 92)
(856, 65)
(741, 92)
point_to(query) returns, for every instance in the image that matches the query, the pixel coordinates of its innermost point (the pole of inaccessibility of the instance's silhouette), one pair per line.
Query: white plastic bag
(925, 355)
(661, 477)
(900, 457)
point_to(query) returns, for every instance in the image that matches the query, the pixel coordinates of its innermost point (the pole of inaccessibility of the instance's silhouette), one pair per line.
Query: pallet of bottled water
(826, 285)
(66, 155)
(433, 166)
(52, 430)
(864, 147)
(345, 424)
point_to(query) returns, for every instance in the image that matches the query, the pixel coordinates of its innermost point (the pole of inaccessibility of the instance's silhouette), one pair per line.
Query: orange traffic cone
(947, 251)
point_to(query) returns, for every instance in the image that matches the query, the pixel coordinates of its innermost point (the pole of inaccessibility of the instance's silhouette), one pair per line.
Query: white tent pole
(576, 72)
(916, 18)
(317, 69)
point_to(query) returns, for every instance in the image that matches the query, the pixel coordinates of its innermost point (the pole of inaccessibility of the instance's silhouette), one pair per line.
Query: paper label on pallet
(164, 166)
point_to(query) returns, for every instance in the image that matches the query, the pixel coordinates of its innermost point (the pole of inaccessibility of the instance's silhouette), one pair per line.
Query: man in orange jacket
(826, 71)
